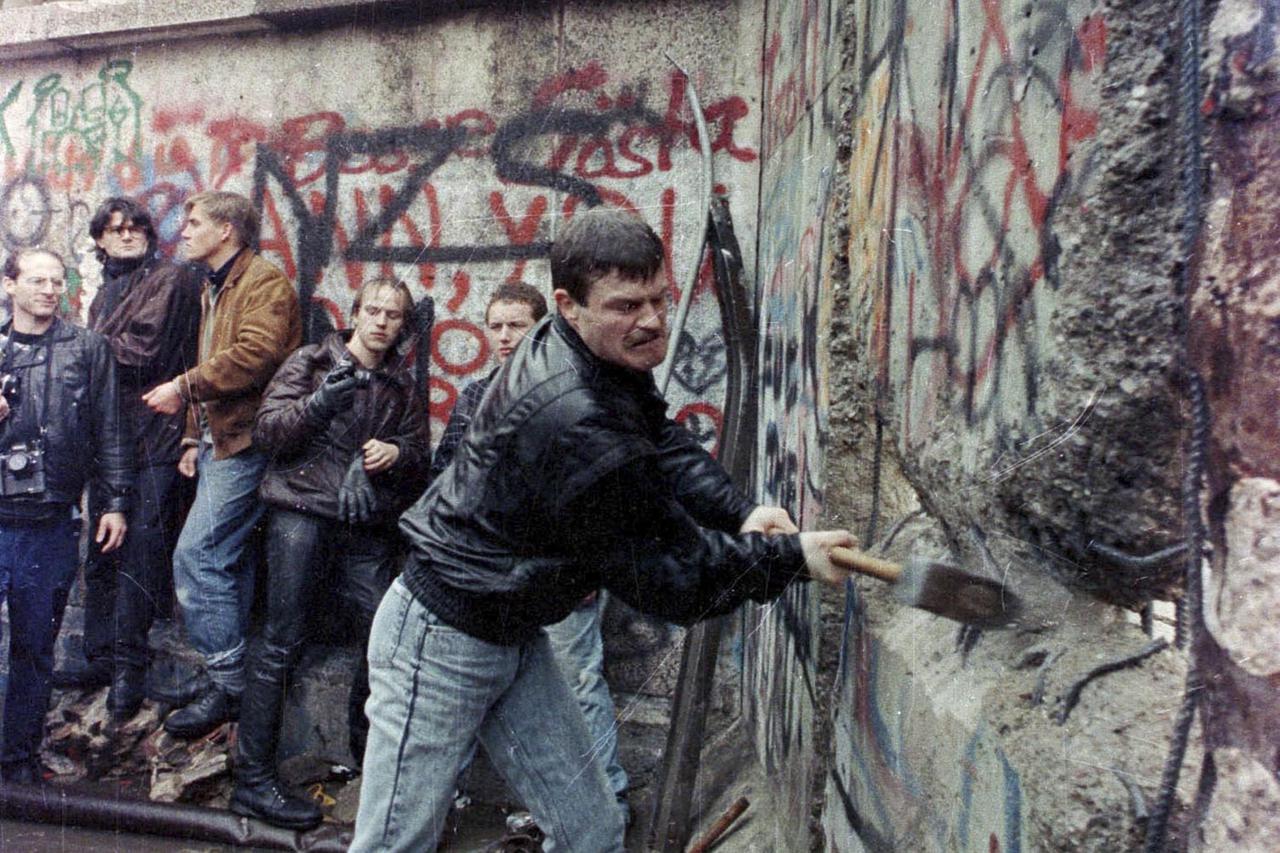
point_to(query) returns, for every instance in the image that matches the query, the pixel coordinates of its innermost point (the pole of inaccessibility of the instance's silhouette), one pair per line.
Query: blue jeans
(212, 567)
(37, 568)
(579, 650)
(434, 691)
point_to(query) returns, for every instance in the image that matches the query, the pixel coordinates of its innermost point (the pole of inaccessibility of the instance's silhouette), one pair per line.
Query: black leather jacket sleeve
(652, 553)
(280, 427)
(413, 438)
(699, 482)
(113, 472)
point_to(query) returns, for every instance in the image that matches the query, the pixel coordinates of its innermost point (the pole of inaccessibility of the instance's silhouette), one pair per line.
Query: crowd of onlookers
(477, 578)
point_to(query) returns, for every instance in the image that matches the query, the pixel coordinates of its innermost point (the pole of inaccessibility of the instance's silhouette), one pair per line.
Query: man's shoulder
(262, 270)
(259, 276)
(79, 337)
(160, 267)
(309, 355)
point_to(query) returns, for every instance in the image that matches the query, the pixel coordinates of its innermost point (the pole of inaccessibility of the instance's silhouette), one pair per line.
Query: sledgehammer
(938, 587)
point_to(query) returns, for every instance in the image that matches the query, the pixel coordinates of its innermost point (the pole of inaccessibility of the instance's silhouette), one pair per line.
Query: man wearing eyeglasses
(148, 309)
(60, 425)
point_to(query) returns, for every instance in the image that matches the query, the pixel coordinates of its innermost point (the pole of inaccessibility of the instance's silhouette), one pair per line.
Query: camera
(363, 377)
(11, 387)
(22, 470)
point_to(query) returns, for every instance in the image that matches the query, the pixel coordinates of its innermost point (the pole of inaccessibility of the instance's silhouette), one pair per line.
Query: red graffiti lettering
(229, 137)
(522, 233)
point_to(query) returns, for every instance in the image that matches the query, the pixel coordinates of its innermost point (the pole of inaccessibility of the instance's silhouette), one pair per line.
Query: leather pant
(299, 548)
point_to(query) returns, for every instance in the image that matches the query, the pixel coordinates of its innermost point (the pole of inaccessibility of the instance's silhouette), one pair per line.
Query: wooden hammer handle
(847, 558)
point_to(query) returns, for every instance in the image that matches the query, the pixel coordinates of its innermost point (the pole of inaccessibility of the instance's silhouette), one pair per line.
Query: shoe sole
(192, 734)
(249, 811)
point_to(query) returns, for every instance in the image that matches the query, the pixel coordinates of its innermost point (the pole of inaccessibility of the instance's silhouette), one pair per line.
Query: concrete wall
(782, 688)
(1235, 345)
(1005, 345)
(445, 151)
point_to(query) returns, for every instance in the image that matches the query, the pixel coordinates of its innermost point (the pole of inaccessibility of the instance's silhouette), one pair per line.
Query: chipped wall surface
(1011, 268)
(1012, 261)
(1236, 347)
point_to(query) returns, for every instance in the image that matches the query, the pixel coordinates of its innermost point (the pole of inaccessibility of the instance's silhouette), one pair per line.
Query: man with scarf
(148, 309)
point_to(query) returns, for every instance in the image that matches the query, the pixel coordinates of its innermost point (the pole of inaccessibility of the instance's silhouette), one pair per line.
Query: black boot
(210, 709)
(125, 697)
(269, 802)
(258, 792)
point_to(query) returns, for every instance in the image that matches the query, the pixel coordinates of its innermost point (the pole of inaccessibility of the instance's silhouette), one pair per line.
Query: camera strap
(42, 421)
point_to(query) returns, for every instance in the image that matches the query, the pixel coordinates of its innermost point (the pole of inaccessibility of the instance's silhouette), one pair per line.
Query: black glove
(357, 501)
(336, 392)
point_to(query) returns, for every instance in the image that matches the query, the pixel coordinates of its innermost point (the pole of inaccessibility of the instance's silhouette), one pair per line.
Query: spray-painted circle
(25, 211)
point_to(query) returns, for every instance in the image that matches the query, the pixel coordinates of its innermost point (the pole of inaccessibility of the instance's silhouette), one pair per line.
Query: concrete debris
(83, 744)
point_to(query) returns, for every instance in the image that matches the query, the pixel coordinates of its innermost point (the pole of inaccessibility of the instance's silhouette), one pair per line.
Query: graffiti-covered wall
(799, 68)
(1011, 209)
(444, 151)
(1010, 217)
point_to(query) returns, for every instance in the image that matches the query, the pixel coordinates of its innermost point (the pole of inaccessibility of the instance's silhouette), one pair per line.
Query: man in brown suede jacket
(250, 321)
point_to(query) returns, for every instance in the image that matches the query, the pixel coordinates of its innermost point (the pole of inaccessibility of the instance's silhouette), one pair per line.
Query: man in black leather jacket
(59, 425)
(571, 478)
(348, 441)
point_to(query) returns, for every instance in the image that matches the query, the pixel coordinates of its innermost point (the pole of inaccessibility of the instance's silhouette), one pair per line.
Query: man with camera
(59, 426)
(348, 442)
(148, 309)
(249, 323)
(570, 478)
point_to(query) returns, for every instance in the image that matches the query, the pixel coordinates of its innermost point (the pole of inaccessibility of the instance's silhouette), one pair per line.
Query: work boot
(211, 709)
(125, 697)
(83, 676)
(269, 802)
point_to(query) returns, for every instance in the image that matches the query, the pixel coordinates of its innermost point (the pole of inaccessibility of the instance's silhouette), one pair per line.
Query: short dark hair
(131, 211)
(600, 241)
(232, 209)
(521, 293)
(13, 263)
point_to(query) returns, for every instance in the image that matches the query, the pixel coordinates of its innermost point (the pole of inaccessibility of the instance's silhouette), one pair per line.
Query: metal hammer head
(956, 594)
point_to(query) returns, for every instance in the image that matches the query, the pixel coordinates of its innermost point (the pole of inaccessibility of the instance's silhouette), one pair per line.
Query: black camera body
(11, 387)
(363, 377)
(22, 470)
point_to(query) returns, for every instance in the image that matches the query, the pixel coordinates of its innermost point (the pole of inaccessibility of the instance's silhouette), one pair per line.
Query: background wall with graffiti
(429, 153)
(446, 153)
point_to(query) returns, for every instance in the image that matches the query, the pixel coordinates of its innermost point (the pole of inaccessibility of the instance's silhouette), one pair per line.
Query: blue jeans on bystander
(37, 568)
(212, 567)
(579, 650)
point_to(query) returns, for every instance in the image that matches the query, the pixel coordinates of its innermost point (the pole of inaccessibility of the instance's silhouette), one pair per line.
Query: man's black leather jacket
(308, 462)
(86, 436)
(571, 478)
